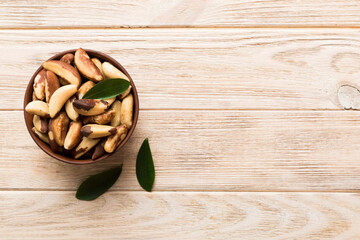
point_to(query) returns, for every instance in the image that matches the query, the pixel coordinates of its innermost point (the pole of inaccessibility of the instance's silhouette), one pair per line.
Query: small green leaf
(145, 171)
(107, 89)
(96, 185)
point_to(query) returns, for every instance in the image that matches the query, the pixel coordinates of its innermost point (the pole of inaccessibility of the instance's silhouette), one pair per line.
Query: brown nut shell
(114, 140)
(84, 146)
(67, 58)
(99, 150)
(125, 94)
(40, 124)
(101, 119)
(39, 85)
(116, 121)
(73, 136)
(34, 98)
(97, 62)
(63, 70)
(63, 82)
(59, 126)
(112, 72)
(70, 111)
(44, 137)
(86, 67)
(53, 145)
(90, 107)
(51, 84)
(84, 88)
(127, 111)
(110, 100)
(59, 98)
(38, 108)
(97, 131)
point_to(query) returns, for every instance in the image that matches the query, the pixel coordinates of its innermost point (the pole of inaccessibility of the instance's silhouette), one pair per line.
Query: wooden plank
(143, 13)
(212, 150)
(129, 215)
(202, 68)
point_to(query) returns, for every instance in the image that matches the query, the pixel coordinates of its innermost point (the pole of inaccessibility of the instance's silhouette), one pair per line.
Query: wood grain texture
(129, 215)
(207, 150)
(202, 68)
(143, 13)
(236, 105)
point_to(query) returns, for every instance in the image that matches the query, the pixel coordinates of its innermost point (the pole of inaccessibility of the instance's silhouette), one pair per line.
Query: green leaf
(107, 89)
(96, 185)
(145, 171)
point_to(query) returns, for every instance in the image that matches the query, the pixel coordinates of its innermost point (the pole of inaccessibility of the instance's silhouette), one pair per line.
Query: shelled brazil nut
(74, 126)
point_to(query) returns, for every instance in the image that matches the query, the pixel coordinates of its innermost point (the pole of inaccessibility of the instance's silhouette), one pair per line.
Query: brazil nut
(53, 145)
(86, 67)
(51, 84)
(70, 111)
(97, 131)
(44, 137)
(38, 107)
(112, 72)
(68, 58)
(59, 126)
(73, 136)
(97, 62)
(84, 88)
(64, 70)
(39, 85)
(116, 107)
(127, 111)
(84, 146)
(90, 107)
(40, 124)
(99, 150)
(58, 99)
(114, 140)
(101, 119)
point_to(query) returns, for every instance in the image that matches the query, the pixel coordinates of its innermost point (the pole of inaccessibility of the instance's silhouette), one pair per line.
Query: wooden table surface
(240, 101)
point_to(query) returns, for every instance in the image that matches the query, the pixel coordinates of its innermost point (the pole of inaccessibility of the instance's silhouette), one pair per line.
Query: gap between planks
(183, 26)
(182, 191)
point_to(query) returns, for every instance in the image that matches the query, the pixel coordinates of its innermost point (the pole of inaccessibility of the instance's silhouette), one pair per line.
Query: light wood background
(240, 101)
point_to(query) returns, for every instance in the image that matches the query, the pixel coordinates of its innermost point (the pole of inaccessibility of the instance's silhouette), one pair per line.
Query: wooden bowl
(44, 146)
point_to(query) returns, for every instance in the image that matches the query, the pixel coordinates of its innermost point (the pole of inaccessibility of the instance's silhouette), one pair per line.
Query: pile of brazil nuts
(69, 124)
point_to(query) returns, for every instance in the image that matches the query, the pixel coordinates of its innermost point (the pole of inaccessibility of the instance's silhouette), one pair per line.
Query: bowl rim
(45, 147)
